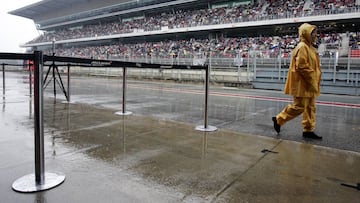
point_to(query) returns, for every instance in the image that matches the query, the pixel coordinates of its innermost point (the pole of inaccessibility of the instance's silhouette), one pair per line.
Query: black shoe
(311, 135)
(276, 125)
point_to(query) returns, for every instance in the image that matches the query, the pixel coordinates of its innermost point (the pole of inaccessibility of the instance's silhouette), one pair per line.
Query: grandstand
(252, 38)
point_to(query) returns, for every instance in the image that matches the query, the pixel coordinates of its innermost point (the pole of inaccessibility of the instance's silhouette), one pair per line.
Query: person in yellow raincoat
(303, 83)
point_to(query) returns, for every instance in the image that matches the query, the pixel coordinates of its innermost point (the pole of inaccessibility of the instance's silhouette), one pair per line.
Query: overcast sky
(15, 30)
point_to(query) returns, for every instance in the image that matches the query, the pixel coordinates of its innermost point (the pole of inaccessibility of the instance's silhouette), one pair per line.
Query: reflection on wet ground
(154, 148)
(145, 157)
(241, 110)
(205, 166)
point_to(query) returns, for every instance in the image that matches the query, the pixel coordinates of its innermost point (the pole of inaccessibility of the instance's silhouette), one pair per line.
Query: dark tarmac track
(155, 155)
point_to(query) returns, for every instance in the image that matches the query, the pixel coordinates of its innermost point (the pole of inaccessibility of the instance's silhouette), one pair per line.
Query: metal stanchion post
(38, 120)
(40, 180)
(30, 80)
(68, 80)
(3, 74)
(68, 85)
(206, 127)
(124, 112)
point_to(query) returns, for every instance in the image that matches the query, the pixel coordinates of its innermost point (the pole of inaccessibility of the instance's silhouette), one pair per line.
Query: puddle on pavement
(170, 153)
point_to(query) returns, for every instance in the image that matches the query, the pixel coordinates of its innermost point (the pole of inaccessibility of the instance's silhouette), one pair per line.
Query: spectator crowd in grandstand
(223, 47)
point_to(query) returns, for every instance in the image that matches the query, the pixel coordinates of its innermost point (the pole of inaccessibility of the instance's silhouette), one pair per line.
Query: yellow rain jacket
(304, 74)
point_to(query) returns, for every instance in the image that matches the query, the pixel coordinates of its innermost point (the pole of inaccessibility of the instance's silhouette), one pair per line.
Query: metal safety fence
(42, 180)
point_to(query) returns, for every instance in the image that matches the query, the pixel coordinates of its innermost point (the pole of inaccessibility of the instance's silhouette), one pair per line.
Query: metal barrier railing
(42, 180)
(110, 63)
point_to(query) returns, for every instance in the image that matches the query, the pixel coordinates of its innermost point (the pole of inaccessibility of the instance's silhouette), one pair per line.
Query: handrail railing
(41, 180)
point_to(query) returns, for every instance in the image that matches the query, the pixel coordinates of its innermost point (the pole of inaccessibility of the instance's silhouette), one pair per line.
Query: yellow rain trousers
(303, 81)
(300, 105)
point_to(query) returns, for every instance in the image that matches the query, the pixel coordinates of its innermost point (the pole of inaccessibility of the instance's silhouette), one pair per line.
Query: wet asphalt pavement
(155, 155)
(241, 110)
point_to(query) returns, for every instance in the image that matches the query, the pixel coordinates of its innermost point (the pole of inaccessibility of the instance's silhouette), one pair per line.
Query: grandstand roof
(33, 10)
(50, 13)
(52, 9)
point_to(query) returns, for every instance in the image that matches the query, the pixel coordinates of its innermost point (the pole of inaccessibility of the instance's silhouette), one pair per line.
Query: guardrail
(42, 180)
(337, 78)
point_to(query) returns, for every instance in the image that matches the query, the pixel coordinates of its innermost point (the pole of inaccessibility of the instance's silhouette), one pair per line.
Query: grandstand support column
(238, 65)
(3, 74)
(248, 68)
(279, 58)
(254, 64)
(206, 127)
(348, 66)
(40, 180)
(334, 73)
(124, 112)
(336, 63)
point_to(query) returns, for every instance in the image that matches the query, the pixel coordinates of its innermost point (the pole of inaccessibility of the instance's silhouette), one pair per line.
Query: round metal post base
(208, 129)
(28, 183)
(123, 114)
